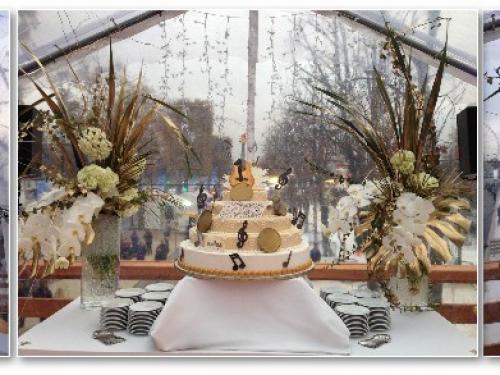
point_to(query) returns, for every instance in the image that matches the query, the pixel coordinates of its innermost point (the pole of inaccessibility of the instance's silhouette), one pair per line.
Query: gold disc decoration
(269, 240)
(241, 192)
(204, 221)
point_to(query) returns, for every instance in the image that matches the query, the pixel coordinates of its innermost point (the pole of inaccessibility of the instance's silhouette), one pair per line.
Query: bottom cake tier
(229, 264)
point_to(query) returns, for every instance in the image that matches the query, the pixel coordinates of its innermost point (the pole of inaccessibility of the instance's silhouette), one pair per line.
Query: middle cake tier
(254, 225)
(228, 240)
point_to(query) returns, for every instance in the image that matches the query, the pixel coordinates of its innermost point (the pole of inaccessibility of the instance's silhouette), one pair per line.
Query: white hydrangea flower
(403, 161)
(94, 144)
(95, 177)
(129, 194)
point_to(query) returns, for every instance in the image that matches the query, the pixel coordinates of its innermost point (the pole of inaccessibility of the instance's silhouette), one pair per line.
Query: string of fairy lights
(290, 43)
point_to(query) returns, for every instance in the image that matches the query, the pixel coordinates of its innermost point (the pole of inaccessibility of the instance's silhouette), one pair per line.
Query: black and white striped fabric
(142, 315)
(355, 318)
(114, 314)
(133, 293)
(379, 318)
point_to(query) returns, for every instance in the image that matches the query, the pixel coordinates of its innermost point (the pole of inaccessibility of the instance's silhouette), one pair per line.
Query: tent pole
(253, 47)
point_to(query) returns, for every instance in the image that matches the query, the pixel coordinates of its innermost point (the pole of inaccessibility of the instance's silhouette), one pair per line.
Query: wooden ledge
(165, 270)
(492, 270)
(492, 350)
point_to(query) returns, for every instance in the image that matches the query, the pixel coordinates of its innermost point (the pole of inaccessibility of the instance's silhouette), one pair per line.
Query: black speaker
(467, 140)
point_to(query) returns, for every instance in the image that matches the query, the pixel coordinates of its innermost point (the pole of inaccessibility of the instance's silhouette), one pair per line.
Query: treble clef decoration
(242, 235)
(201, 199)
(283, 179)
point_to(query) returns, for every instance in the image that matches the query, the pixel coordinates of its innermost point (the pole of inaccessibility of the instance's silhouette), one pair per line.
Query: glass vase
(410, 296)
(101, 263)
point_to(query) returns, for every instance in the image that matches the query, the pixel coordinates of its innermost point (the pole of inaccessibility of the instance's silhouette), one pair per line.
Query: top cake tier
(259, 195)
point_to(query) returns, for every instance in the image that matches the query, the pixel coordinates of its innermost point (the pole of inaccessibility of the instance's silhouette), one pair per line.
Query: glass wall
(199, 62)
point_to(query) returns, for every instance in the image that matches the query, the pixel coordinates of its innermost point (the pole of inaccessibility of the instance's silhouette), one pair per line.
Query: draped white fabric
(216, 316)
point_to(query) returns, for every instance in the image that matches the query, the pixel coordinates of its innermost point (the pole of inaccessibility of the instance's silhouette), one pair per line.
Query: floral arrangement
(414, 207)
(102, 156)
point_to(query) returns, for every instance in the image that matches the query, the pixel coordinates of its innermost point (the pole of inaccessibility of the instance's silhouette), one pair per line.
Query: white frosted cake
(245, 239)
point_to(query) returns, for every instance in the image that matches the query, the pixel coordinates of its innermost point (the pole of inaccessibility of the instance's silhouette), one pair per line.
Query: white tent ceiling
(491, 113)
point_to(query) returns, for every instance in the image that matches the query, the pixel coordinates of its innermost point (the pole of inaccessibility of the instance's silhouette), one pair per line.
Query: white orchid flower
(403, 241)
(339, 222)
(70, 246)
(38, 229)
(362, 195)
(37, 225)
(412, 212)
(48, 248)
(75, 230)
(84, 209)
(347, 207)
(47, 198)
(26, 248)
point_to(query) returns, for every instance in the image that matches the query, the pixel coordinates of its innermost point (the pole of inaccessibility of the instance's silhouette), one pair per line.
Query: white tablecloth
(277, 316)
(69, 333)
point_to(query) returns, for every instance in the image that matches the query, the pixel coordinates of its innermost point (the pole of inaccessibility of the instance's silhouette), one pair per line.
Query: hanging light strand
(273, 82)
(165, 54)
(225, 77)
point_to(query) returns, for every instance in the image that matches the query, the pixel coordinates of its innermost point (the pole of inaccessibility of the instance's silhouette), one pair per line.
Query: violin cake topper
(242, 235)
(283, 179)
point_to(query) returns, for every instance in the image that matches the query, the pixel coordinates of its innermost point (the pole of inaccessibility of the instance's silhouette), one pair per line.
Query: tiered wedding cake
(245, 235)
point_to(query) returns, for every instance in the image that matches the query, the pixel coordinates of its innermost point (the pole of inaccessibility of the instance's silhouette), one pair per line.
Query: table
(68, 333)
